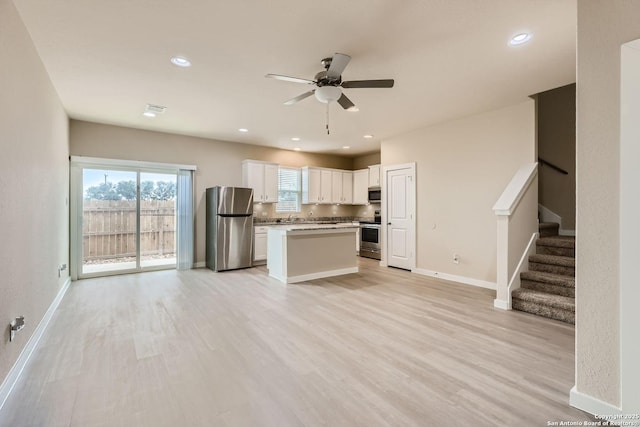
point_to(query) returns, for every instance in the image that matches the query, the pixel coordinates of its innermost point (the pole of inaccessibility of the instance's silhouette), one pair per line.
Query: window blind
(289, 191)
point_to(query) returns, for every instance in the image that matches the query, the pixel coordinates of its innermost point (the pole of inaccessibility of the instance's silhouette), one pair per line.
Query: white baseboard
(14, 374)
(501, 304)
(591, 405)
(322, 275)
(201, 264)
(454, 278)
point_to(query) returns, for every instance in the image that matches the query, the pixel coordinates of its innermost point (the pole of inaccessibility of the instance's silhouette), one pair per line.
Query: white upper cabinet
(360, 187)
(263, 178)
(342, 187)
(316, 185)
(374, 176)
(325, 185)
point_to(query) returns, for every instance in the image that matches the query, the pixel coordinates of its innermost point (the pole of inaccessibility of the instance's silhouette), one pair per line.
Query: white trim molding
(453, 278)
(320, 275)
(14, 374)
(136, 164)
(201, 264)
(590, 404)
(517, 187)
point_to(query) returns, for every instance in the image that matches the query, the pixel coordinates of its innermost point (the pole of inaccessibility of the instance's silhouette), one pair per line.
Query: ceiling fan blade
(289, 79)
(338, 64)
(367, 84)
(299, 97)
(345, 102)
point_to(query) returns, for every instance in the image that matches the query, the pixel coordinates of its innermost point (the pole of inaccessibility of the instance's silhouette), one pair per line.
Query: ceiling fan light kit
(327, 94)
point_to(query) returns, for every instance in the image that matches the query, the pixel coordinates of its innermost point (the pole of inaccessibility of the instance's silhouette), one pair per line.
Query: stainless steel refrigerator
(229, 228)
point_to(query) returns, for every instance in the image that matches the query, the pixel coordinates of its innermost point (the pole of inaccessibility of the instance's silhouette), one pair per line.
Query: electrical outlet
(61, 268)
(456, 259)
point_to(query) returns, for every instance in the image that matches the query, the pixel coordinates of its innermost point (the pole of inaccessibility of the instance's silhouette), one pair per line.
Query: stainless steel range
(370, 237)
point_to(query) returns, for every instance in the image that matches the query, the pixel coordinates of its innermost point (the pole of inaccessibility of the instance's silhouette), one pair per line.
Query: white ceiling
(449, 58)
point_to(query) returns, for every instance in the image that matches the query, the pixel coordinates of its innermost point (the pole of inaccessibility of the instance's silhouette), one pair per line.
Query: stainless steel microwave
(375, 195)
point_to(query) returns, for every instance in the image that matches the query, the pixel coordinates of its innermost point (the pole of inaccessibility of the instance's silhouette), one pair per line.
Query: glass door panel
(109, 221)
(157, 220)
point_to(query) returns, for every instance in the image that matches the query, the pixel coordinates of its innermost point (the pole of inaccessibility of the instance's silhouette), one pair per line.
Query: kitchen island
(299, 252)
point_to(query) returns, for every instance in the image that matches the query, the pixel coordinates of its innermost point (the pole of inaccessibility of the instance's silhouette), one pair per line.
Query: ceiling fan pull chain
(328, 119)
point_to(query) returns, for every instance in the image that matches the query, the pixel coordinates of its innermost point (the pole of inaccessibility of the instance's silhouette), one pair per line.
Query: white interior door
(400, 216)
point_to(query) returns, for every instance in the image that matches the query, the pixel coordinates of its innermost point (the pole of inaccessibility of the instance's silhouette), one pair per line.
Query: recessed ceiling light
(368, 136)
(296, 149)
(295, 138)
(152, 110)
(346, 147)
(180, 61)
(243, 130)
(520, 39)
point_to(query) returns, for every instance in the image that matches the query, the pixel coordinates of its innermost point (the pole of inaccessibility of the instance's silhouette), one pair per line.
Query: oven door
(370, 241)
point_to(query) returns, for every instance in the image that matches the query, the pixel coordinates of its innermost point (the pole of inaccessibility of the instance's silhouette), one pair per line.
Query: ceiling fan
(329, 83)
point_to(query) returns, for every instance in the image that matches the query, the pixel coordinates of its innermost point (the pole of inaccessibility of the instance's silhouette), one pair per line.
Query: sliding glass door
(157, 220)
(110, 221)
(128, 218)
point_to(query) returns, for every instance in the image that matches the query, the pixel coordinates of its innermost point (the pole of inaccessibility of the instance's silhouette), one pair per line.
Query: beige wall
(557, 144)
(602, 28)
(218, 162)
(462, 168)
(33, 186)
(363, 162)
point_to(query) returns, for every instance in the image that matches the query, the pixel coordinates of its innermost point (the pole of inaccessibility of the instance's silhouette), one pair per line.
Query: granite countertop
(312, 226)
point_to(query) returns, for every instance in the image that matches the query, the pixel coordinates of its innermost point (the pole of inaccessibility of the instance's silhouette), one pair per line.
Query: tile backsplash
(315, 212)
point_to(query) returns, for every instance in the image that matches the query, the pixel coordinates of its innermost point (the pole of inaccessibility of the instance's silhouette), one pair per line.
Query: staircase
(548, 288)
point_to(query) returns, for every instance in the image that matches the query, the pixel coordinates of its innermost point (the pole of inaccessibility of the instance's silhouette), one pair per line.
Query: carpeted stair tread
(557, 241)
(556, 264)
(544, 299)
(550, 278)
(565, 261)
(556, 245)
(549, 289)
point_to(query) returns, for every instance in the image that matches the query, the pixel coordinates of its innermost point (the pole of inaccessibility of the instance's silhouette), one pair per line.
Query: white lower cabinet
(260, 245)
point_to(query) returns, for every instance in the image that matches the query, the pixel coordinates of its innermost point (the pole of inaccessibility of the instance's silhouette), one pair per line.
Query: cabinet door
(374, 176)
(314, 186)
(255, 180)
(325, 186)
(270, 183)
(336, 187)
(347, 187)
(360, 187)
(260, 247)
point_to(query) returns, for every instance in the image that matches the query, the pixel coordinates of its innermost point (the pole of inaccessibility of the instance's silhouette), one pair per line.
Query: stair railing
(517, 221)
(543, 162)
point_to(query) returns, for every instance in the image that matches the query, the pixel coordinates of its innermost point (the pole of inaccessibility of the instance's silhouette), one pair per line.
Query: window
(288, 190)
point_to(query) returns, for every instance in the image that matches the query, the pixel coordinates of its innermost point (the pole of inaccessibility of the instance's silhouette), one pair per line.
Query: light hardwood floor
(383, 347)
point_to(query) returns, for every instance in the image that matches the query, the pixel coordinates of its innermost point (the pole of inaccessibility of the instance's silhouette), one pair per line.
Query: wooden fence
(109, 229)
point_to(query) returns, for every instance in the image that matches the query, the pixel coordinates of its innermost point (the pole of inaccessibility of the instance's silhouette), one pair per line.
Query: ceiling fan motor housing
(322, 80)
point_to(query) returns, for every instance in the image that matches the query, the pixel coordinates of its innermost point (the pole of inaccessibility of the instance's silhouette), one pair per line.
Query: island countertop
(311, 226)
